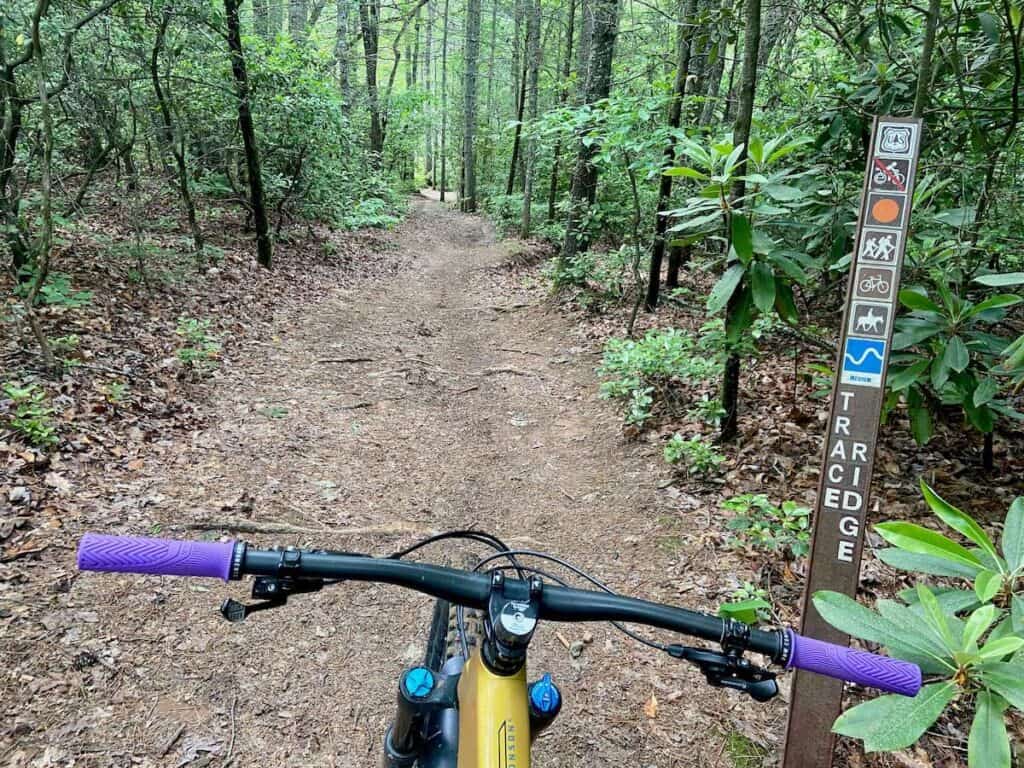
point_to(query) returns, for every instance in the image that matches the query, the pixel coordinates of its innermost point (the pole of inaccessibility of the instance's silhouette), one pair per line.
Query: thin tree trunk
(583, 54)
(275, 17)
(583, 191)
(471, 55)
(730, 90)
(260, 22)
(741, 136)
(489, 108)
(924, 72)
(369, 19)
(683, 46)
(517, 36)
(264, 245)
(44, 239)
(563, 97)
(444, 101)
(717, 65)
(176, 144)
(428, 85)
(342, 53)
(298, 17)
(533, 57)
(513, 166)
(415, 61)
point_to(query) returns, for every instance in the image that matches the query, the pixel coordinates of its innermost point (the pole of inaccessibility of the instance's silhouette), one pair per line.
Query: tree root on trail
(247, 526)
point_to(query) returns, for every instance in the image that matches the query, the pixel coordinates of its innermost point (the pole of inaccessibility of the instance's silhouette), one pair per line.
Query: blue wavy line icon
(864, 356)
(858, 361)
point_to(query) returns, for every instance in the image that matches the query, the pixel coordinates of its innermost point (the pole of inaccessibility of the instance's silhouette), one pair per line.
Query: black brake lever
(724, 670)
(270, 592)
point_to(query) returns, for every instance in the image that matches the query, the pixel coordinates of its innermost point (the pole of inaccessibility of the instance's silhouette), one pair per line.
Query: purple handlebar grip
(136, 554)
(861, 667)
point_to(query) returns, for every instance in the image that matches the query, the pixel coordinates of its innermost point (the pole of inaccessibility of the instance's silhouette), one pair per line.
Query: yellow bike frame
(494, 717)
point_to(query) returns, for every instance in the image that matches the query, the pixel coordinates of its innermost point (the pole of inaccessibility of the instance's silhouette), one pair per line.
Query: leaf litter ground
(398, 385)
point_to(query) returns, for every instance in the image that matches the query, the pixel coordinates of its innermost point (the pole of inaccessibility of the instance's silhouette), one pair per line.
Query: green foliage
(56, 290)
(371, 212)
(749, 604)
(708, 409)
(950, 356)
(32, 415)
(978, 656)
(200, 349)
(760, 524)
(114, 391)
(761, 268)
(650, 371)
(605, 274)
(994, 576)
(695, 454)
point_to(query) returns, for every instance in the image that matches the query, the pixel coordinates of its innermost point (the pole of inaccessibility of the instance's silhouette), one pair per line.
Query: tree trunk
(342, 53)
(563, 97)
(415, 61)
(489, 110)
(583, 191)
(44, 238)
(583, 54)
(444, 101)
(471, 55)
(298, 17)
(369, 19)
(716, 65)
(683, 46)
(260, 21)
(517, 136)
(428, 85)
(264, 245)
(533, 60)
(275, 17)
(741, 135)
(176, 144)
(517, 56)
(924, 72)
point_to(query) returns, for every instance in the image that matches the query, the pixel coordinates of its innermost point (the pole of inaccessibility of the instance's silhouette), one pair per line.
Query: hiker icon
(878, 247)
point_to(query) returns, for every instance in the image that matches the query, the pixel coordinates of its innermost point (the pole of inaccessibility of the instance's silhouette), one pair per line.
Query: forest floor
(452, 395)
(373, 389)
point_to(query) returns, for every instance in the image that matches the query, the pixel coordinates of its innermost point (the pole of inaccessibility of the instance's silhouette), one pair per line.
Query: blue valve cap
(419, 682)
(545, 698)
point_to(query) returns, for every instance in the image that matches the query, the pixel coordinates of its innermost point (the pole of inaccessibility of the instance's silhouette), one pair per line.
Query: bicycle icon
(874, 284)
(890, 174)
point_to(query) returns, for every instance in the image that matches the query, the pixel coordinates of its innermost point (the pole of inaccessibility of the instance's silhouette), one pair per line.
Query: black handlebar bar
(472, 590)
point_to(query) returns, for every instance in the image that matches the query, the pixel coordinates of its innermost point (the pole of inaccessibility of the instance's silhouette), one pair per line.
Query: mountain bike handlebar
(233, 560)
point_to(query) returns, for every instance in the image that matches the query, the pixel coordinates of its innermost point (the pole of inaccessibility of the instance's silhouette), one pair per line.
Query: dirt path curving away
(455, 399)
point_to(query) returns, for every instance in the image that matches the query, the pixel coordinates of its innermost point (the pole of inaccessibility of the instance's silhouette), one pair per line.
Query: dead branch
(247, 526)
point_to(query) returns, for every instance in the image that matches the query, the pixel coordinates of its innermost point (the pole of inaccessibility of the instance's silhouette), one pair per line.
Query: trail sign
(858, 392)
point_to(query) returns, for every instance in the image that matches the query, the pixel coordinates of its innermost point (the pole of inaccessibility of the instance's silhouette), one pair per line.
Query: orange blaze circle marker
(885, 210)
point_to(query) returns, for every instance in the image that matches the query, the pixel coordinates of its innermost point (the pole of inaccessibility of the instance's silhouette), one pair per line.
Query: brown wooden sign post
(858, 393)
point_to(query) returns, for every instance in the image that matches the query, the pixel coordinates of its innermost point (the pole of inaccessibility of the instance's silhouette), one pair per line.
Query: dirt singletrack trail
(450, 397)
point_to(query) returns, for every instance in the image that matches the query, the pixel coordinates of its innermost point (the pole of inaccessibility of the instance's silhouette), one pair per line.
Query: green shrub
(949, 354)
(651, 370)
(748, 604)
(32, 415)
(698, 456)
(760, 524)
(978, 659)
(56, 290)
(200, 349)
